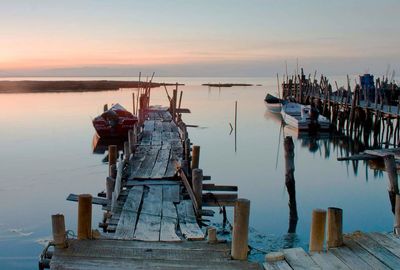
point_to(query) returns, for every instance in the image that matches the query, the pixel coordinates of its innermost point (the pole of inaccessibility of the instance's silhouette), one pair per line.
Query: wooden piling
(132, 140)
(105, 107)
(197, 185)
(212, 235)
(195, 157)
(112, 157)
(290, 183)
(396, 227)
(317, 234)
(58, 228)
(335, 227)
(110, 185)
(240, 230)
(393, 187)
(127, 150)
(84, 216)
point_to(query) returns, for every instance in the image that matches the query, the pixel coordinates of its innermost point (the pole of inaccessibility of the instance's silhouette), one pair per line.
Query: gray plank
(161, 163)
(156, 138)
(151, 182)
(376, 249)
(363, 253)
(127, 220)
(187, 221)
(298, 259)
(350, 258)
(169, 222)
(149, 224)
(328, 261)
(148, 125)
(390, 244)
(95, 200)
(279, 265)
(171, 193)
(146, 167)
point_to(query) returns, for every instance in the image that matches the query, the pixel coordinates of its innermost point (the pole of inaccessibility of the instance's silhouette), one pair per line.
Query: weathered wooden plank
(148, 125)
(149, 224)
(219, 196)
(156, 138)
(363, 253)
(169, 222)
(328, 261)
(127, 220)
(187, 221)
(131, 183)
(389, 244)
(161, 163)
(376, 249)
(95, 200)
(137, 160)
(145, 137)
(146, 167)
(214, 187)
(189, 190)
(279, 265)
(298, 259)
(351, 258)
(166, 127)
(171, 193)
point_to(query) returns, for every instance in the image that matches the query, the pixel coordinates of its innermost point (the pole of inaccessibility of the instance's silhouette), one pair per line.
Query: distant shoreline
(31, 86)
(226, 84)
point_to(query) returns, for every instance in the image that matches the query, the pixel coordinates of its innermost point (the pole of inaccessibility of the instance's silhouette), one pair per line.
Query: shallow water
(46, 154)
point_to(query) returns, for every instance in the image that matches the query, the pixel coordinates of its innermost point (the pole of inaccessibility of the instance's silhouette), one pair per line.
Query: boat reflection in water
(100, 145)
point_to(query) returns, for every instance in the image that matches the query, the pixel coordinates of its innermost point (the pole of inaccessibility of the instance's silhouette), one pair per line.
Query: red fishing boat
(114, 122)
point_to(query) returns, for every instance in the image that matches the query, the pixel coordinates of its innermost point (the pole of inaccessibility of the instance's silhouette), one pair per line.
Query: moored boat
(114, 122)
(273, 103)
(303, 117)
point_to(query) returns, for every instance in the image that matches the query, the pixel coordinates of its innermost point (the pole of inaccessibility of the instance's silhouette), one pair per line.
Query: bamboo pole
(240, 232)
(84, 216)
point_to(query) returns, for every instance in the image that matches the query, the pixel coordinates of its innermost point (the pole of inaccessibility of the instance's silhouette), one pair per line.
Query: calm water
(46, 154)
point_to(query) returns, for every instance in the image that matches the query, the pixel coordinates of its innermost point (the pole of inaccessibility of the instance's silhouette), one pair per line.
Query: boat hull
(292, 116)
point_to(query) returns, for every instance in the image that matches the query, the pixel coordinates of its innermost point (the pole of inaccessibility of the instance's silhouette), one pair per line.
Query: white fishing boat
(303, 117)
(273, 103)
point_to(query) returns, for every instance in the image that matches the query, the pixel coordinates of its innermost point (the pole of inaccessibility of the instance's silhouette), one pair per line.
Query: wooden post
(105, 107)
(393, 187)
(174, 101)
(133, 103)
(195, 156)
(131, 140)
(212, 235)
(290, 183)
(335, 227)
(240, 232)
(317, 234)
(396, 229)
(197, 185)
(84, 216)
(112, 157)
(127, 151)
(58, 226)
(110, 185)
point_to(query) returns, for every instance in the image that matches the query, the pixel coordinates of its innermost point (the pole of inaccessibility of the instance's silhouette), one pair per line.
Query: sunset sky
(187, 37)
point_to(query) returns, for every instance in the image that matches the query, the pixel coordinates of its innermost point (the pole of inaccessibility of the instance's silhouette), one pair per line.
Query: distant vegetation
(226, 84)
(69, 86)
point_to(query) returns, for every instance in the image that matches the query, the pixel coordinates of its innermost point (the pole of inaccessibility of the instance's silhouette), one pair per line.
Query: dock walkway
(152, 219)
(366, 251)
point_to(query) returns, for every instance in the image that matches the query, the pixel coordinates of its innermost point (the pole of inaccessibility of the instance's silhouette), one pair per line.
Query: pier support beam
(396, 226)
(197, 185)
(58, 228)
(393, 187)
(112, 157)
(240, 230)
(84, 216)
(212, 235)
(335, 227)
(195, 156)
(317, 234)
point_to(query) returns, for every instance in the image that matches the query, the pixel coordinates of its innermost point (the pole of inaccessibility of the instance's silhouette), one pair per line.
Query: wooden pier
(153, 206)
(366, 251)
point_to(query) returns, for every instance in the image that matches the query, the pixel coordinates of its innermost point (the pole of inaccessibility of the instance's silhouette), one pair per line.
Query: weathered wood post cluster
(334, 230)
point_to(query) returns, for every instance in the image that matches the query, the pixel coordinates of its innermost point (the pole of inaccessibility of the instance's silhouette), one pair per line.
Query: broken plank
(149, 224)
(147, 164)
(187, 221)
(169, 222)
(127, 220)
(95, 200)
(161, 163)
